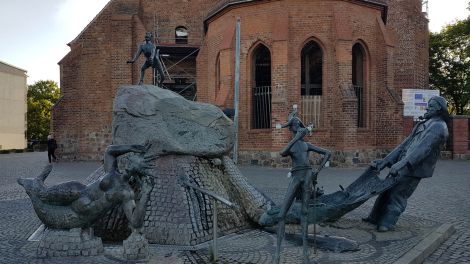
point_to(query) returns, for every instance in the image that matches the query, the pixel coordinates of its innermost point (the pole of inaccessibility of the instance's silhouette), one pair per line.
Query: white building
(13, 90)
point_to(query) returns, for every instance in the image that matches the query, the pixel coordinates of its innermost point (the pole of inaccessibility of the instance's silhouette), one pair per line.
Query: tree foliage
(41, 97)
(449, 64)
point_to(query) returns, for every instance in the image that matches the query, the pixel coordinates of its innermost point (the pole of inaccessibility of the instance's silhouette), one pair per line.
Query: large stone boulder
(172, 124)
(190, 141)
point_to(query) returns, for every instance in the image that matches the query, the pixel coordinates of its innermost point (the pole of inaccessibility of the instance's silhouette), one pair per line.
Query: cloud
(67, 19)
(442, 13)
(74, 15)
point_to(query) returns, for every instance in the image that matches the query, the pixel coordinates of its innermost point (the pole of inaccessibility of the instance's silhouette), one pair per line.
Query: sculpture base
(69, 242)
(335, 244)
(178, 215)
(136, 247)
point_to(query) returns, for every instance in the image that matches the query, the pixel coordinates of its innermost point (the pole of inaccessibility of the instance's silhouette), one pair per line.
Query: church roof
(224, 5)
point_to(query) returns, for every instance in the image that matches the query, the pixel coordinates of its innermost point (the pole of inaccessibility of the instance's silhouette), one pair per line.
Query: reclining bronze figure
(75, 205)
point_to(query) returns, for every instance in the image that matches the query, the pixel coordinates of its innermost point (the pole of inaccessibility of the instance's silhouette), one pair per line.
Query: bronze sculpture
(75, 205)
(414, 159)
(302, 180)
(152, 55)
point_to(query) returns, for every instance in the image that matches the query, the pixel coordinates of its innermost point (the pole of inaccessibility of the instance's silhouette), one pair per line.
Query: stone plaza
(437, 207)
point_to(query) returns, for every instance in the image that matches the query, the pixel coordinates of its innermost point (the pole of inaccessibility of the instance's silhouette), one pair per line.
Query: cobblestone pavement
(258, 246)
(29, 165)
(442, 198)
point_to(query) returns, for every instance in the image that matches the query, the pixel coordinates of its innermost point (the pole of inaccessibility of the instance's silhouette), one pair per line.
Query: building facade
(13, 90)
(343, 62)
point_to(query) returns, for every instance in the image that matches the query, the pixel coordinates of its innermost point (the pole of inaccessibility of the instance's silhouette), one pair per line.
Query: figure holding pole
(152, 55)
(302, 179)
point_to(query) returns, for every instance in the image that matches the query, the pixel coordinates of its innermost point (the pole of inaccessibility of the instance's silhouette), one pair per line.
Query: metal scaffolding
(178, 60)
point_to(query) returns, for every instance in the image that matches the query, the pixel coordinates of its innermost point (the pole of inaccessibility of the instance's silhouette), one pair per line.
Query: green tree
(41, 97)
(449, 64)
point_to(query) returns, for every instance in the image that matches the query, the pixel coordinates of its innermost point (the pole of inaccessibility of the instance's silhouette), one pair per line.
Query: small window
(181, 35)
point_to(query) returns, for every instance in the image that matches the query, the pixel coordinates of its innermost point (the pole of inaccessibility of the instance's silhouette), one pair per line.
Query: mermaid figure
(75, 205)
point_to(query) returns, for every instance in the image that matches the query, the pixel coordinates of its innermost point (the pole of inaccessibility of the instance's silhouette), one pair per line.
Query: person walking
(51, 147)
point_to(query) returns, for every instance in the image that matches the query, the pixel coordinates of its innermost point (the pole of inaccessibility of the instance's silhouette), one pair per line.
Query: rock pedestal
(177, 215)
(135, 247)
(190, 141)
(69, 242)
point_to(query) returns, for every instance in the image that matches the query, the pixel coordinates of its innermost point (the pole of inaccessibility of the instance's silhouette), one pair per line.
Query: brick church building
(343, 62)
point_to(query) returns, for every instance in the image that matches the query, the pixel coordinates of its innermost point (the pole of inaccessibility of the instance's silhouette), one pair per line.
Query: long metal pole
(214, 222)
(315, 218)
(237, 88)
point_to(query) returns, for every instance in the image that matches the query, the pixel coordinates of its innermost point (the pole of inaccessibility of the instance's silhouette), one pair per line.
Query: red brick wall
(96, 66)
(285, 27)
(163, 16)
(411, 58)
(408, 124)
(90, 74)
(396, 59)
(458, 133)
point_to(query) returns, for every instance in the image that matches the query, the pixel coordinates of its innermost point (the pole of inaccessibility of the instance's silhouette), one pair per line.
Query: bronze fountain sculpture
(152, 59)
(302, 180)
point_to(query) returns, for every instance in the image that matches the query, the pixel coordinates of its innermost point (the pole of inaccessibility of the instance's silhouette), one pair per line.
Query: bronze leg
(290, 195)
(307, 191)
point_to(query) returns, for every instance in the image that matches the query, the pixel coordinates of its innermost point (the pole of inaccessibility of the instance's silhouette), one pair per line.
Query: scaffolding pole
(237, 88)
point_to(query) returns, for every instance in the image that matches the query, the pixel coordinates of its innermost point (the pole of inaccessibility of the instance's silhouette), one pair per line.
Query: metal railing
(358, 90)
(261, 107)
(311, 109)
(215, 198)
(188, 87)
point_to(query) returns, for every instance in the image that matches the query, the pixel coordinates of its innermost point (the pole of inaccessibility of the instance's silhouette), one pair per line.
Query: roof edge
(230, 3)
(12, 66)
(224, 5)
(89, 24)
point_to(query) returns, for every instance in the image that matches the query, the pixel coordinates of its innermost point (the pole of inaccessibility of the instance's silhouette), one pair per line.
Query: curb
(427, 246)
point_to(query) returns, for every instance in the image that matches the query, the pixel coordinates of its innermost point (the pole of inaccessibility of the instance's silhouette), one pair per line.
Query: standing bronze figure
(302, 180)
(414, 159)
(152, 55)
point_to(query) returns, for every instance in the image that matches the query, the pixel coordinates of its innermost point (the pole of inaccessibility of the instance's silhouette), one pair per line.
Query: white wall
(13, 89)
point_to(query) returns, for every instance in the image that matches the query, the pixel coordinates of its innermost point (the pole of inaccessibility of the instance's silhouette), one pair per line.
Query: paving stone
(440, 199)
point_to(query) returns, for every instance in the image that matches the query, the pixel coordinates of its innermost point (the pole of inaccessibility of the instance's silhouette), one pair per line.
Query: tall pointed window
(311, 88)
(358, 77)
(261, 95)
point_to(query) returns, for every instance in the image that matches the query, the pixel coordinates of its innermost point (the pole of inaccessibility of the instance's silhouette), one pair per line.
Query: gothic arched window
(358, 82)
(311, 84)
(261, 96)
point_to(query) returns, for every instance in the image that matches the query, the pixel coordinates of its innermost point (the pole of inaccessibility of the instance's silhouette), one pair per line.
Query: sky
(34, 33)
